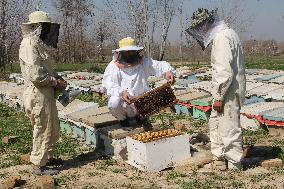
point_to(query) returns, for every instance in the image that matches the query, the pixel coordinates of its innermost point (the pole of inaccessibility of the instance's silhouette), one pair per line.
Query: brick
(12, 182)
(9, 139)
(46, 182)
(25, 159)
(272, 163)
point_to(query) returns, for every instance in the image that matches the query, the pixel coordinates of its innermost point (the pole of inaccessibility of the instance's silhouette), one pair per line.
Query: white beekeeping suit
(133, 80)
(228, 83)
(40, 82)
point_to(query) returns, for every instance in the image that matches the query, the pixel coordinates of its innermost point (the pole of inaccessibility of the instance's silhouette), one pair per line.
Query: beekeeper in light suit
(126, 77)
(40, 37)
(228, 82)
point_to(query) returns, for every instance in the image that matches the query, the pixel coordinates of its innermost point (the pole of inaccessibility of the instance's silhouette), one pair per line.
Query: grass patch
(102, 100)
(279, 144)
(172, 175)
(59, 67)
(250, 137)
(204, 184)
(15, 123)
(271, 63)
(63, 180)
(105, 164)
(118, 170)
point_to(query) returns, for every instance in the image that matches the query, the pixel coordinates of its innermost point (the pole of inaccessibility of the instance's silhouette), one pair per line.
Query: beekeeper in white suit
(228, 82)
(126, 77)
(40, 37)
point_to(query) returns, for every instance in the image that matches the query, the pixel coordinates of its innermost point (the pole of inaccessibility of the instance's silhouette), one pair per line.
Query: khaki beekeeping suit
(40, 81)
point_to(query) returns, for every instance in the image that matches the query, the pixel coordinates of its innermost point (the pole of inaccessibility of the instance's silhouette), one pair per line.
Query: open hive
(153, 136)
(155, 100)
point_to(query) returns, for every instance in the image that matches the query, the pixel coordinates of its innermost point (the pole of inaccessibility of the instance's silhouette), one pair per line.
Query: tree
(168, 12)
(12, 15)
(75, 16)
(180, 10)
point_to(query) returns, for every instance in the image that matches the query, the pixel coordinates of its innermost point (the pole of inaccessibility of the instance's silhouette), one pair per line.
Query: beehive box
(200, 114)
(155, 100)
(158, 154)
(93, 117)
(180, 109)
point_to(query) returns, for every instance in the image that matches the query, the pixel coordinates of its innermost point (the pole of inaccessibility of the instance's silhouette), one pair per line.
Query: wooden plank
(94, 117)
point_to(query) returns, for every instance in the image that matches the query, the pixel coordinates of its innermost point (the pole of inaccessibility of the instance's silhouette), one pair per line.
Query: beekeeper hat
(202, 15)
(128, 44)
(38, 17)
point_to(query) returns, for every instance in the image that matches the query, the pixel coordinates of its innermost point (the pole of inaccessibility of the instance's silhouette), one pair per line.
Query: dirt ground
(88, 169)
(92, 171)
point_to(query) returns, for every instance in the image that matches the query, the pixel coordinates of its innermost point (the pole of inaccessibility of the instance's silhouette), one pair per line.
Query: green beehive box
(201, 115)
(202, 101)
(65, 127)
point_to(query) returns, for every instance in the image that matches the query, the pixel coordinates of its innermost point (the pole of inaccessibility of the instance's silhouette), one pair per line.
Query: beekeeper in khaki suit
(40, 37)
(228, 82)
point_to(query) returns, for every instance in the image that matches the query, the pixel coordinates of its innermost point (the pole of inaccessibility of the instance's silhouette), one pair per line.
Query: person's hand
(61, 84)
(126, 97)
(218, 106)
(170, 77)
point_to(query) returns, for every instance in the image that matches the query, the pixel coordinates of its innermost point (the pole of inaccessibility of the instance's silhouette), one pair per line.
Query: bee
(155, 100)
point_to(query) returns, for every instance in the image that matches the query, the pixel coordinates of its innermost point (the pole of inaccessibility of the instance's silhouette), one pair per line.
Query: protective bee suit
(40, 82)
(228, 82)
(133, 79)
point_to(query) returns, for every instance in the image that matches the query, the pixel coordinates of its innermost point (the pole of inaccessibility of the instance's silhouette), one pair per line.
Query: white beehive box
(158, 155)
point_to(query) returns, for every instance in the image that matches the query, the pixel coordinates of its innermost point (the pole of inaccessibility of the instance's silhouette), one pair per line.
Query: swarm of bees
(153, 136)
(155, 100)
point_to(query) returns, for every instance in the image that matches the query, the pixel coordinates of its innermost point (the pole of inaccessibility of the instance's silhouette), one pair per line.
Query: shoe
(44, 171)
(235, 166)
(54, 162)
(124, 123)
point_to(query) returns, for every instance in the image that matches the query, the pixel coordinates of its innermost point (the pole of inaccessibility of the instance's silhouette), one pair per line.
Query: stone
(198, 160)
(12, 182)
(25, 159)
(272, 163)
(180, 127)
(9, 139)
(1, 129)
(46, 182)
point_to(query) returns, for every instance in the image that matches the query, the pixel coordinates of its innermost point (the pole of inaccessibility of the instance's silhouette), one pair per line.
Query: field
(87, 168)
(272, 63)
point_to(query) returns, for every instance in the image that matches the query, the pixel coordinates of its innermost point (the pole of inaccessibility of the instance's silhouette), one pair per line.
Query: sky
(266, 16)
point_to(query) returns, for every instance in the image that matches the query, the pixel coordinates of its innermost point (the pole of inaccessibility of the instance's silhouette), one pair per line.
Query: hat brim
(129, 48)
(29, 23)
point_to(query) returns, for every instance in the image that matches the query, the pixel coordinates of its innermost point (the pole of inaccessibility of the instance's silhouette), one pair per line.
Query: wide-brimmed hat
(128, 44)
(38, 17)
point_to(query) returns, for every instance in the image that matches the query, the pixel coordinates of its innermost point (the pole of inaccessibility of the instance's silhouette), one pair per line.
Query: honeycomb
(154, 100)
(153, 136)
